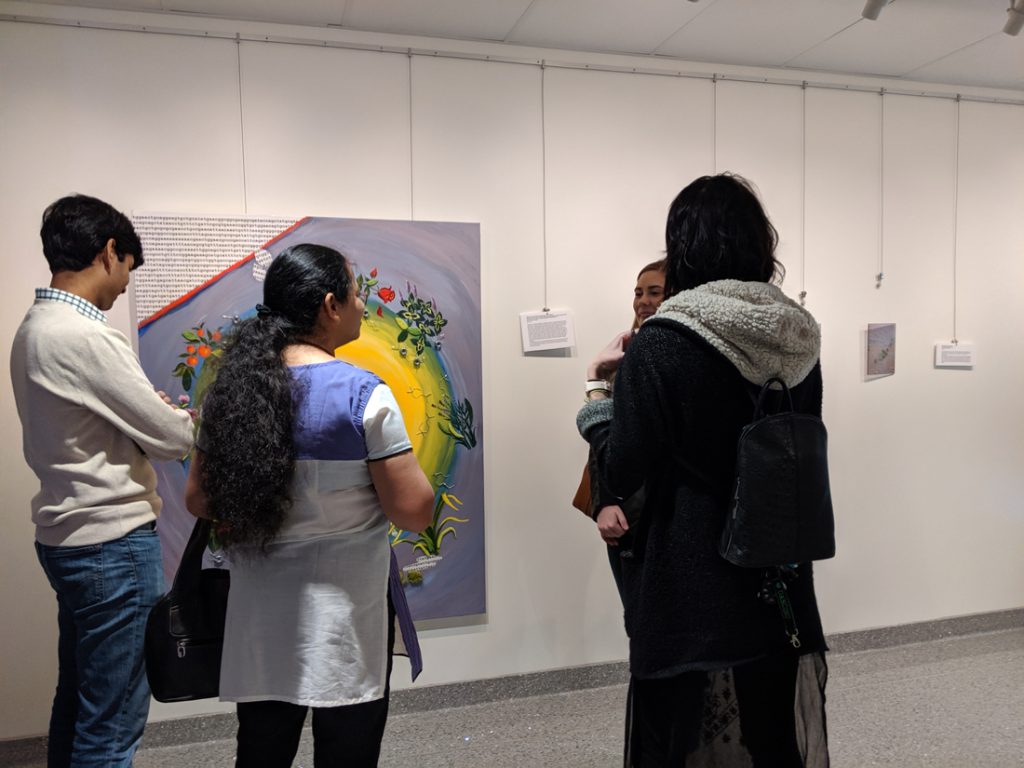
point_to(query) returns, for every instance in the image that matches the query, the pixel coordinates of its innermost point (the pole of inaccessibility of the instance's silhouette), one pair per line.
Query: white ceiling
(943, 41)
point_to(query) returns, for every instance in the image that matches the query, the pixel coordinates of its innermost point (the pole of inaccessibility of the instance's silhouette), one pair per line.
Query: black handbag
(781, 512)
(185, 629)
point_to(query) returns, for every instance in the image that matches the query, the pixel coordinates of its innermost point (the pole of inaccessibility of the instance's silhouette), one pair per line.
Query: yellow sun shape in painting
(418, 389)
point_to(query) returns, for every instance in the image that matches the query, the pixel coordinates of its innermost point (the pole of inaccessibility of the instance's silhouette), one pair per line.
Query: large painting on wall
(420, 334)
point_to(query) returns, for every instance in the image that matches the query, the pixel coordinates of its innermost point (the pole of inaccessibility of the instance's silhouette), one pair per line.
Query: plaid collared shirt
(85, 307)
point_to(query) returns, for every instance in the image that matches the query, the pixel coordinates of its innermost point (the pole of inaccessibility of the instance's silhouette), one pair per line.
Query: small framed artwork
(881, 349)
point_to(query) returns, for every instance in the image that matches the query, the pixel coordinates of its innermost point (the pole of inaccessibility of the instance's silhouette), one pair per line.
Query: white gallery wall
(928, 465)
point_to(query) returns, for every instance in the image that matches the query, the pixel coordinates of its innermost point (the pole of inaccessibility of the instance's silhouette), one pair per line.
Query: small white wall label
(954, 355)
(548, 329)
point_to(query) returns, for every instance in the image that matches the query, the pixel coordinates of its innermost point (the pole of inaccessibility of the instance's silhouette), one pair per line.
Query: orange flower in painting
(192, 360)
(200, 332)
(191, 349)
(386, 294)
(204, 351)
(216, 335)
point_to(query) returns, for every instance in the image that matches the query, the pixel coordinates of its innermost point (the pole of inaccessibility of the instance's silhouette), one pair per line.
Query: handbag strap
(187, 576)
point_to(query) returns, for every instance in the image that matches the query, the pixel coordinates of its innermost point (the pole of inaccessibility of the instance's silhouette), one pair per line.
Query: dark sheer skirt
(768, 713)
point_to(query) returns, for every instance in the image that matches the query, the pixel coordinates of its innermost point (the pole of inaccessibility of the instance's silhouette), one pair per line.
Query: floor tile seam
(508, 699)
(913, 644)
(835, 686)
(452, 746)
(988, 659)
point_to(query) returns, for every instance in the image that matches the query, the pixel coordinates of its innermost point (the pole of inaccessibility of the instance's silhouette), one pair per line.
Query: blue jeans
(104, 595)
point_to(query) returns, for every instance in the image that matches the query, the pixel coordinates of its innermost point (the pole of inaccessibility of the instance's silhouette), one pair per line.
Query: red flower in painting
(380, 311)
(373, 272)
(386, 295)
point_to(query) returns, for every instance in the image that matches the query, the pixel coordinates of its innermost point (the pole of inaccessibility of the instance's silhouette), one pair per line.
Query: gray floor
(952, 702)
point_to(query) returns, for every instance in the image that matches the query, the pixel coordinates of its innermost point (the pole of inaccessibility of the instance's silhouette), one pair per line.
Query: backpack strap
(759, 404)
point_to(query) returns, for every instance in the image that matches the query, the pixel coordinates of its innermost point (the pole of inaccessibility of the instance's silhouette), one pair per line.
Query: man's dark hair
(77, 227)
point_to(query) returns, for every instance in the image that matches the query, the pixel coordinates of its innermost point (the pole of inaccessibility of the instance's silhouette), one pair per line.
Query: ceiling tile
(759, 32)
(637, 26)
(466, 19)
(907, 35)
(995, 62)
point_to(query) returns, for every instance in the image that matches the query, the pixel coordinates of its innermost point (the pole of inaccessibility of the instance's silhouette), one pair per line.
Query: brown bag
(583, 500)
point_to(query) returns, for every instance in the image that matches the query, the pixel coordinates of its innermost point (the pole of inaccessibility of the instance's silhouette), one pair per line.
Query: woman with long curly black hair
(715, 677)
(302, 461)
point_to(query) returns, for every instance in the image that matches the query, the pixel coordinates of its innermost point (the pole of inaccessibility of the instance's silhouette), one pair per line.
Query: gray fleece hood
(761, 331)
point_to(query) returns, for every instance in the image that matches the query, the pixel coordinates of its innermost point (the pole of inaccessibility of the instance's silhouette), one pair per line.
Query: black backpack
(781, 512)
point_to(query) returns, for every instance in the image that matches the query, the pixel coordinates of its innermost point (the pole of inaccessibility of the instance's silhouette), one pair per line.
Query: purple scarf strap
(401, 605)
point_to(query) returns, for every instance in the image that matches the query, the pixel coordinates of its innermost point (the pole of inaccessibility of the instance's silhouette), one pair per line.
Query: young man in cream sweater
(91, 422)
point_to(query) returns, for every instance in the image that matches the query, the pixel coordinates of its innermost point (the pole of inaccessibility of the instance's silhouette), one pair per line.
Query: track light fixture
(1014, 14)
(1014, 18)
(872, 8)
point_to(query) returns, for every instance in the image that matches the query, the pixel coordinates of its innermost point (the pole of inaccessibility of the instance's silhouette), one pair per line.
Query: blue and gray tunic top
(307, 623)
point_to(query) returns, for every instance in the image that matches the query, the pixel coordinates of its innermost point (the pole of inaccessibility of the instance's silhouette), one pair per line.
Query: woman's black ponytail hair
(248, 412)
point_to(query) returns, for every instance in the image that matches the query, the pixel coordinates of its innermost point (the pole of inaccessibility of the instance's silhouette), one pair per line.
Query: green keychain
(775, 591)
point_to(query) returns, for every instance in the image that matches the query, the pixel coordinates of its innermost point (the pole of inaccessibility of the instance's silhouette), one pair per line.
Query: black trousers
(666, 714)
(269, 732)
(343, 737)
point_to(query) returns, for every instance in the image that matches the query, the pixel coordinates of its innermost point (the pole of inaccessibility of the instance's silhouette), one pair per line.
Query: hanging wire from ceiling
(544, 179)
(956, 210)
(241, 124)
(880, 275)
(803, 199)
(412, 197)
(714, 123)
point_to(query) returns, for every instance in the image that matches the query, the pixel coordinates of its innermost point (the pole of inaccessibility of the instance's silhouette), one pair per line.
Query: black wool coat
(672, 427)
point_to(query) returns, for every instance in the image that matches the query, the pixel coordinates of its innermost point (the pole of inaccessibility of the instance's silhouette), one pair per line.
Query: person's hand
(165, 397)
(612, 523)
(606, 362)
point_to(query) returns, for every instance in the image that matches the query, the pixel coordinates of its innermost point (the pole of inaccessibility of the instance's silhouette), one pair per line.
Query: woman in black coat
(715, 676)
